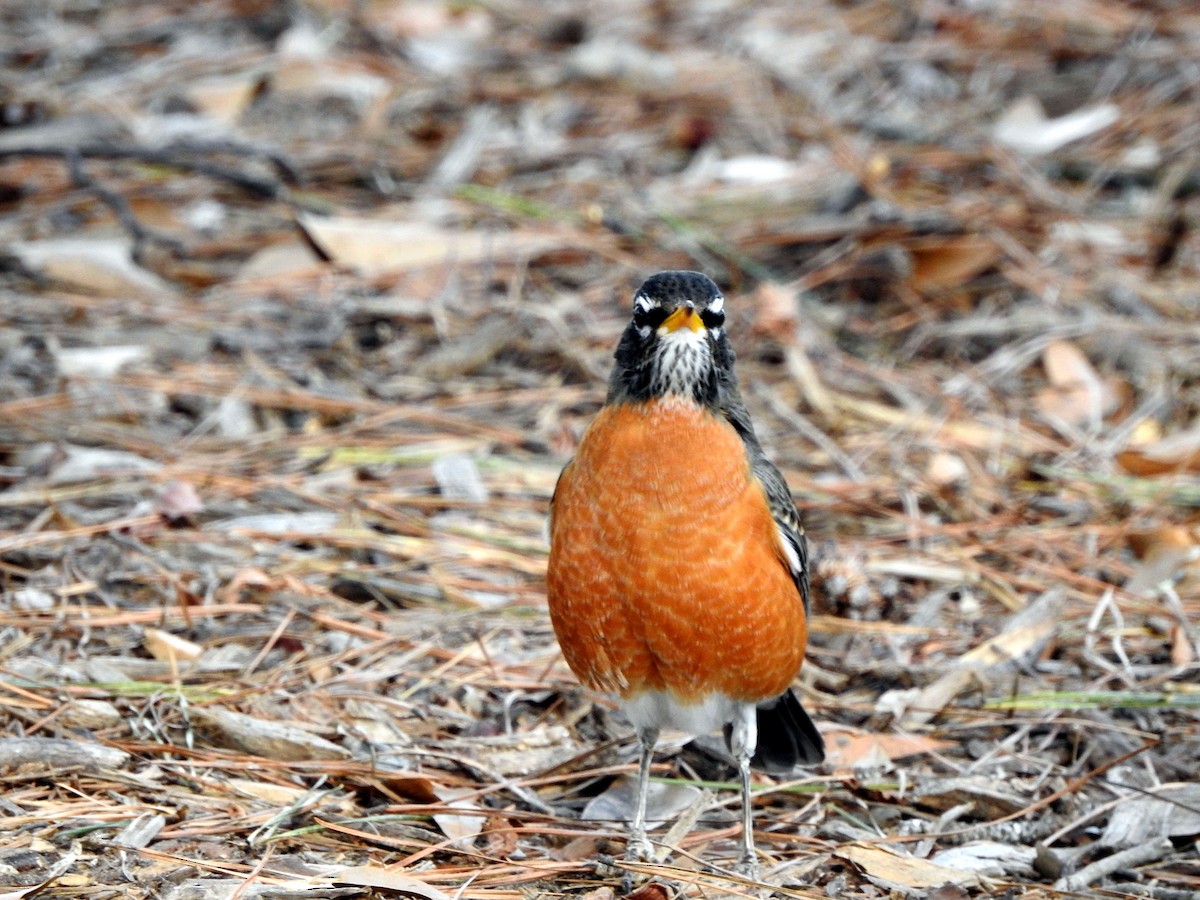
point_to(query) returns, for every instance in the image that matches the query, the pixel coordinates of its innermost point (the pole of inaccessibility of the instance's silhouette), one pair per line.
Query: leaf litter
(304, 307)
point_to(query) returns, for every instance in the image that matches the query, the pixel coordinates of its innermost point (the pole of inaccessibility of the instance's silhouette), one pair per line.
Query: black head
(675, 344)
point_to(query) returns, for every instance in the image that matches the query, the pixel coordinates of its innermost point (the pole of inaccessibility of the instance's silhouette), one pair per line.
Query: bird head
(675, 345)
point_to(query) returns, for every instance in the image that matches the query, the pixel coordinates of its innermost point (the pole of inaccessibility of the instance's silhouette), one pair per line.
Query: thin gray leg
(743, 741)
(639, 847)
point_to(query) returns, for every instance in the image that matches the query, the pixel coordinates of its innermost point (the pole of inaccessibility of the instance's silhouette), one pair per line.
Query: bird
(678, 569)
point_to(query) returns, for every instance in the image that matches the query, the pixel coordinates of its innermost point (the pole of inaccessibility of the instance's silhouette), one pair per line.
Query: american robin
(678, 566)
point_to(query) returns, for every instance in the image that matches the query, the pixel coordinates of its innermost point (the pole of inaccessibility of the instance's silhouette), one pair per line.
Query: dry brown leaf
(1176, 453)
(1182, 651)
(460, 828)
(650, 891)
(375, 246)
(869, 750)
(287, 259)
(1077, 393)
(664, 802)
(224, 98)
(167, 647)
(269, 791)
(895, 872)
(305, 68)
(1067, 366)
(388, 880)
(178, 500)
(1161, 553)
(942, 263)
(274, 740)
(102, 266)
(1012, 643)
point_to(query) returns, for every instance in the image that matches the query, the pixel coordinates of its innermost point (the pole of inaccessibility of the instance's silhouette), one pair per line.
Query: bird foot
(639, 849)
(747, 867)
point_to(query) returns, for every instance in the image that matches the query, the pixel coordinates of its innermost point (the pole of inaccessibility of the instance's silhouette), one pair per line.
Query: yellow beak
(684, 317)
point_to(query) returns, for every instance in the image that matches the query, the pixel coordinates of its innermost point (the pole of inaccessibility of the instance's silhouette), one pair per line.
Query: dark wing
(786, 735)
(783, 510)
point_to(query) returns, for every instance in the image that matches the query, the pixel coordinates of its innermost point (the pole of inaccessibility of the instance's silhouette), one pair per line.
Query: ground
(304, 306)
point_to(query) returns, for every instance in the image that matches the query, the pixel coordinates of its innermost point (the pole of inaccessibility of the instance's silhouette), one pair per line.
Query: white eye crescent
(716, 304)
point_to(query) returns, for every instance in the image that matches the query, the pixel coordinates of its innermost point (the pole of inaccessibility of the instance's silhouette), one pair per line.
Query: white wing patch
(789, 551)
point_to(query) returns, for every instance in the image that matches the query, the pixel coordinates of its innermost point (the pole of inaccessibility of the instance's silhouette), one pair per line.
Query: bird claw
(747, 867)
(639, 850)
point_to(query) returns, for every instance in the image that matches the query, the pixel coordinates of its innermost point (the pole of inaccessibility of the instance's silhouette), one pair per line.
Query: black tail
(786, 737)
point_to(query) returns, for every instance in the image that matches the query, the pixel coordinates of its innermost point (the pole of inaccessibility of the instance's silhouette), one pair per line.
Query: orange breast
(666, 571)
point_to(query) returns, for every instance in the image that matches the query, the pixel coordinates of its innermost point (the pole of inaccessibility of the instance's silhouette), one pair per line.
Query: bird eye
(649, 318)
(712, 319)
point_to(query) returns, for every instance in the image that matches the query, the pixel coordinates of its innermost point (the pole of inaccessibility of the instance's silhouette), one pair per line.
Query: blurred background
(304, 305)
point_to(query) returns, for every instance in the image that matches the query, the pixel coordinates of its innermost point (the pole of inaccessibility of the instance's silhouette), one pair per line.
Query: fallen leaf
(94, 715)
(664, 802)
(374, 246)
(99, 265)
(141, 831)
(178, 501)
(1182, 651)
(991, 858)
(223, 98)
(652, 890)
(387, 880)
(1161, 553)
(163, 645)
(1025, 128)
(1077, 393)
(947, 262)
(893, 871)
(278, 794)
(1066, 365)
(458, 477)
(274, 740)
(1178, 452)
(857, 751)
(289, 258)
(462, 829)
(1169, 810)
(86, 463)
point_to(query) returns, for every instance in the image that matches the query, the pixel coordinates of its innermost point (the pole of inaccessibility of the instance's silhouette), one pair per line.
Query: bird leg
(639, 847)
(743, 740)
